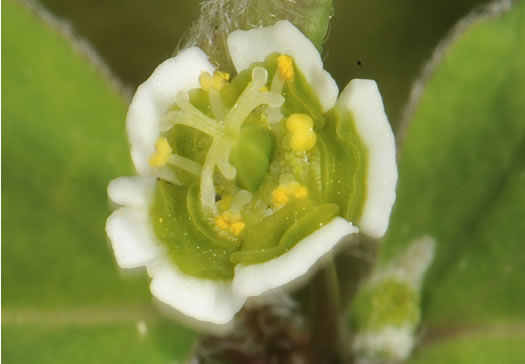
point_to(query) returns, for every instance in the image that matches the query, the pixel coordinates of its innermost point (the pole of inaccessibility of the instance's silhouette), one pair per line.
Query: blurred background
(385, 40)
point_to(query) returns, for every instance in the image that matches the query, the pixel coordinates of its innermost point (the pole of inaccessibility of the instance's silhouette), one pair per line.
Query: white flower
(259, 171)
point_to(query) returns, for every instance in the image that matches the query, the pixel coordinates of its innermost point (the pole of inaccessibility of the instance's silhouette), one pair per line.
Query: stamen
(226, 168)
(303, 137)
(277, 84)
(251, 98)
(236, 228)
(217, 107)
(185, 164)
(230, 222)
(161, 154)
(207, 189)
(220, 78)
(202, 121)
(204, 124)
(282, 194)
(285, 67)
(221, 223)
(285, 72)
(301, 192)
(279, 197)
(216, 81)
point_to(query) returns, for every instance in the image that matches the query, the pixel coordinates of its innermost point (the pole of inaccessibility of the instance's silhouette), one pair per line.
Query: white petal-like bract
(255, 279)
(135, 191)
(249, 46)
(201, 299)
(154, 97)
(132, 237)
(362, 99)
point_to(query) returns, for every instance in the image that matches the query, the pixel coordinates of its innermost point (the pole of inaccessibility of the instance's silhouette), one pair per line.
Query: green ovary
(262, 197)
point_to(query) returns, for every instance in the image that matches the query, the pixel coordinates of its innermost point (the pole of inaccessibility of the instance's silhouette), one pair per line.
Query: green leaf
(63, 140)
(462, 181)
(479, 349)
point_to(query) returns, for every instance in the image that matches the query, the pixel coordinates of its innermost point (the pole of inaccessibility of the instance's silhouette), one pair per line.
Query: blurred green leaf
(491, 349)
(462, 181)
(63, 140)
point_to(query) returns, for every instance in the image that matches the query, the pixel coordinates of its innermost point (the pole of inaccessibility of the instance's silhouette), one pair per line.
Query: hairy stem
(220, 17)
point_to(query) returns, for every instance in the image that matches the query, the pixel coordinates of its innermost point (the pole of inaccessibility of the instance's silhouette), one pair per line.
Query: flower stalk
(325, 315)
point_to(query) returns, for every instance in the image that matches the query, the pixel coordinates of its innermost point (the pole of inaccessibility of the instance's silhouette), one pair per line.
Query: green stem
(325, 306)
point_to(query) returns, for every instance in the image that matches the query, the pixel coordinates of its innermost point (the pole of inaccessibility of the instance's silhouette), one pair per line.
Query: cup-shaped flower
(245, 182)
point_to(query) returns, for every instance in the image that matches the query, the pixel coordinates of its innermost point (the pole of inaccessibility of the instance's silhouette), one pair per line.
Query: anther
(285, 67)
(162, 152)
(279, 197)
(282, 194)
(216, 81)
(303, 137)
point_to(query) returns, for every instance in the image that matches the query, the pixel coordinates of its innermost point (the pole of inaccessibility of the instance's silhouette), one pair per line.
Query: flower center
(247, 167)
(224, 128)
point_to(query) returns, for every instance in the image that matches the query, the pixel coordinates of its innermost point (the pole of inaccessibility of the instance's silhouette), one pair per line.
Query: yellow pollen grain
(263, 89)
(219, 79)
(222, 75)
(280, 196)
(297, 122)
(303, 137)
(236, 228)
(216, 81)
(161, 154)
(221, 223)
(302, 141)
(301, 192)
(285, 67)
(230, 222)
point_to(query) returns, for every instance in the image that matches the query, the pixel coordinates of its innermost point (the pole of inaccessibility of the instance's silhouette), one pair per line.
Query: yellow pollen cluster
(282, 194)
(161, 154)
(303, 137)
(216, 81)
(230, 222)
(285, 67)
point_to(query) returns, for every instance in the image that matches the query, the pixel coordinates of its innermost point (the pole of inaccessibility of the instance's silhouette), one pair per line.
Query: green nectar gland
(251, 171)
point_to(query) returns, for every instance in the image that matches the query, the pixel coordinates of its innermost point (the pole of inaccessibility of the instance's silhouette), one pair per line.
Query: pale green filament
(185, 164)
(251, 98)
(190, 116)
(220, 149)
(274, 113)
(217, 107)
